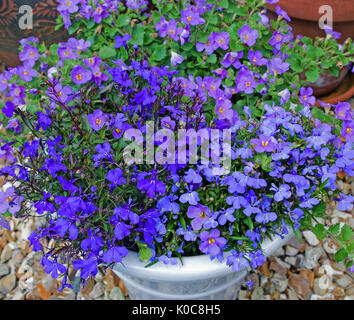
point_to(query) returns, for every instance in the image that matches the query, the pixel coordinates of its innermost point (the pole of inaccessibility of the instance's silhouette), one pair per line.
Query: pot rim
(193, 268)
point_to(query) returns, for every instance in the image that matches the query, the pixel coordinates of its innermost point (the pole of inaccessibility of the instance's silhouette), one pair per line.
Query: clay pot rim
(297, 13)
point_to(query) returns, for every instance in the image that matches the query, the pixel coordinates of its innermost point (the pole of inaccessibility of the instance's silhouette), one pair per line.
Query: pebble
(330, 246)
(291, 294)
(309, 275)
(279, 252)
(328, 296)
(312, 255)
(7, 283)
(257, 293)
(280, 282)
(300, 261)
(117, 294)
(300, 285)
(344, 281)
(291, 260)
(291, 251)
(350, 291)
(6, 254)
(242, 295)
(310, 238)
(321, 285)
(294, 242)
(338, 293)
(97, 291)
(4, 270)
(278, 265)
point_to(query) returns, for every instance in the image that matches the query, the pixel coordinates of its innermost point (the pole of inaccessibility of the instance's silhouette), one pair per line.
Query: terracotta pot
(342, 93)
(44, 21)
(326, 82)
(305, 16)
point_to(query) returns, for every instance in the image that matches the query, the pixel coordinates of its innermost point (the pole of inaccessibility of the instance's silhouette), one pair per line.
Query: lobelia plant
(105, 138)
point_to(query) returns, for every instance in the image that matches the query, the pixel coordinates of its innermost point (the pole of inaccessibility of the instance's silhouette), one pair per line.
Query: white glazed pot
(198, 277)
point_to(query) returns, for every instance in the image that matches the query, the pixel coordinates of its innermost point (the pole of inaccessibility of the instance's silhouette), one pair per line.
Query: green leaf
(138, 35)
(249, 223)
(346, 233)
(107, 52)
(334, 229)
(312, 75)
(211, 59)
(123, 21)
(334, 71)
(340, 255)
(319, 210)
(223, 4)
(320, 231)
(159, 53)
(144, 253)
(295, 63)
(183, 223)
(313, 52)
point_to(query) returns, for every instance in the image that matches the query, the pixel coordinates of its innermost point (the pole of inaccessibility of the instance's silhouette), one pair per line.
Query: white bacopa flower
(176, 58)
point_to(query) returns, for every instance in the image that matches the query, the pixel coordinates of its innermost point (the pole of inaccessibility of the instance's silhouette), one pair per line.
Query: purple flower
(256, 57)
(97, 120)
(44, 122)
(93, 242)
(211, 242)
(245, 82)
(78, 44)
(248, 35)
(79, 75)
(191, 197)
(65, 53)
(26, 74)
(63, 225)
(199, 214)
(236, 260)
(227, 215)
(343, 111)
(232, 59)
(208, 46)
(9, 109)
(264, 217)
(348, 130)
(345, 202)
(4, 223)
(121, 41)
(152, 186)
(281, 193)
(15, 125)
(116, 177)
(191, 16)
(115, 254)
(278, 66)
(264, 144)
(93, 62)
(306, 96)
(222, 40)
(329, 31)
(68, 5)
(10, 201)
(29, 55)
(192, 177)
(171, 29)
(121, 230)
(88, 266)
(59, 93)
(281, 13)
(135, 4)
(52, 267)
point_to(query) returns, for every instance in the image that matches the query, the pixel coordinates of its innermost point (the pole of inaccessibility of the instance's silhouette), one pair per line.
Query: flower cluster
(74, 111)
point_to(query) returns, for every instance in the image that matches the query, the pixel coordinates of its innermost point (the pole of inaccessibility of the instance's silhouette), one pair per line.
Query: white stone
(311, 238)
